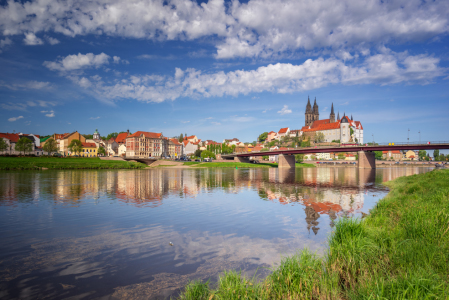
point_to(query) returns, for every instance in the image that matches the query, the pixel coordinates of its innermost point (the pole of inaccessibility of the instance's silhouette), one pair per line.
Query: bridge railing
(370, 144)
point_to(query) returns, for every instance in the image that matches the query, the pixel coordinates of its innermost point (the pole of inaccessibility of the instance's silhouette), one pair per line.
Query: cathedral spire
(332, 114)
(338, 116)
(332, 108)
(352, 118)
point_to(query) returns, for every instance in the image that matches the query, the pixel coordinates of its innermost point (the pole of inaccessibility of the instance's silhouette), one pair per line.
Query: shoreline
(398, 251)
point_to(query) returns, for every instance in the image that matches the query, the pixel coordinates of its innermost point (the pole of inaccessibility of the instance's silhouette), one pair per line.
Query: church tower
(309, 113)
(332, 115)
(316, 113)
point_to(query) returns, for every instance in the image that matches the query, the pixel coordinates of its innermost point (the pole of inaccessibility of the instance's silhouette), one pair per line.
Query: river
(144, 234)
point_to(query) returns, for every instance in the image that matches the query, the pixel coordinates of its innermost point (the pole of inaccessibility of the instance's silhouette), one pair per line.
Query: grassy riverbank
(240, 165)
(36, 163)
(400, 251)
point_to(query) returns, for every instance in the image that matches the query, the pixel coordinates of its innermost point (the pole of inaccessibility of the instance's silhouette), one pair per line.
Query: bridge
(365, 153)
(148, 160)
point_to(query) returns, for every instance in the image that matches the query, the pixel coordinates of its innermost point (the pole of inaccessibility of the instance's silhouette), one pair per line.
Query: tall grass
(400, 251)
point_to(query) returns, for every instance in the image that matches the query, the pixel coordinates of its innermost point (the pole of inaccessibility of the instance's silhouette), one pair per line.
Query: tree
(207, 154)
(378, 154)
(75, 146)
(271, 144)
(198, 153)
(102, 151)
(111, 135)
(341, 156)
(88, 136)
(319, 137)
(422, 154)
(442, 158)
(3, 145)
(436, 154)
(263, 136)
(24, 145)
(305, 143)
(50, 146)
(299, 157)
(181, 138)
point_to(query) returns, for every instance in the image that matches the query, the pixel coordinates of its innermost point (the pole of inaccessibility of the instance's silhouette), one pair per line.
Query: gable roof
(89, 145)
(271, 132)
(283, 130)
(323, 126)
(121, 137)
(175, 141)
(44, 139)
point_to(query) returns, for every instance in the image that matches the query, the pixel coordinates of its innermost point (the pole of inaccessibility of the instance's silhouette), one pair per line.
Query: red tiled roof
(304, 128)
(189, 137)
(13, 137)
(121, 137)
(257, 148)
(320, 122)
(175, 141)
(89, 145)
(152, 135)
(271, 132)
(357, 124)
(283, 130)
(326, 126)
(392, 152)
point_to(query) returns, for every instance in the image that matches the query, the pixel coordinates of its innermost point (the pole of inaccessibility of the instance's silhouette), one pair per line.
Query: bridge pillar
(241, 159)
(286, 161)
(367, 160)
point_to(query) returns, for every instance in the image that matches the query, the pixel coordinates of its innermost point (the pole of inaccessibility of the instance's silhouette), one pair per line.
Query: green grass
(400, 251)
(36, 163)
(191, 163)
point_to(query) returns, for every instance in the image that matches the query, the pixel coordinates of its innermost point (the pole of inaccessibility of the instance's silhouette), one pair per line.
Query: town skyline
(223, 70)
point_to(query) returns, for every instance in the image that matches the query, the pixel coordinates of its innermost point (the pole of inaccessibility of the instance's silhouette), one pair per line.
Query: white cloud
(24, 106)
(209, 118)
(185, 122)
(385, 68)
(94, 118)
(31, 39)
(76, 62)
(285, 110)
(215, 123)
(51, 40)
(257, 28)
(345, 103)
(4, 43)
(15, 118)
(48, 113)
(268, 109)
(34, 85)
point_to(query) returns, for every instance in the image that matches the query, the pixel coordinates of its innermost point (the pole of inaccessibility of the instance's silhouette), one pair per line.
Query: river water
(144, 234)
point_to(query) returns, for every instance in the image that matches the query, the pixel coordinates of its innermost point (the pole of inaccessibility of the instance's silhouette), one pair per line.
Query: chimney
(127, 131)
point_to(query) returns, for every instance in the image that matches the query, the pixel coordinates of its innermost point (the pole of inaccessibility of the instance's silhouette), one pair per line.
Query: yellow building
(89, 150)
(411, 155)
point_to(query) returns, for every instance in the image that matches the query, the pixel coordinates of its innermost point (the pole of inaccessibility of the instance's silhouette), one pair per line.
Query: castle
(345, 130)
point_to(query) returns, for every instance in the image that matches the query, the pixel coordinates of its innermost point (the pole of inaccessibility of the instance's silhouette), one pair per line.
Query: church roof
(324, 126)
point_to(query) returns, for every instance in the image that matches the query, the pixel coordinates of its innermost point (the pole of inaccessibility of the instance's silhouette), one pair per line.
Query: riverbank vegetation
(37, 163)
(399, 251)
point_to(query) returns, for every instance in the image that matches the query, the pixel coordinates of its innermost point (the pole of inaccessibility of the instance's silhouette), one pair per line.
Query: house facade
(144, 144)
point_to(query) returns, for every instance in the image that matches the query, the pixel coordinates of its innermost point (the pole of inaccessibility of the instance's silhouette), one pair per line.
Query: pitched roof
(175, 141)
(320, 122)
(13, 137)
(44, 139)
(152, 135)
(89, 145)
(121, 137)
(283, 130)
(271, 132)
(325, 126)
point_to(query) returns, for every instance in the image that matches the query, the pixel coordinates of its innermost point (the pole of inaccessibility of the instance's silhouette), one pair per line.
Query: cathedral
(345, 130)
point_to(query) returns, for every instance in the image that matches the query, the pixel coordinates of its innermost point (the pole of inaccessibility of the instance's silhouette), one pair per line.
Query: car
(197, 159)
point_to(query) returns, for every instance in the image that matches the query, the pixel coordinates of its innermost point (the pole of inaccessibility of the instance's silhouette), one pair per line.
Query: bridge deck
(326, 149)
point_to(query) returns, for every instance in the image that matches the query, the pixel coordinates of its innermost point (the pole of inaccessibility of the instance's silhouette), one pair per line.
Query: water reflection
(100, 233)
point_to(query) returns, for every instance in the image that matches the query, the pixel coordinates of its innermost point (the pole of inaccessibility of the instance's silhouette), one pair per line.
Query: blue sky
(221, 69)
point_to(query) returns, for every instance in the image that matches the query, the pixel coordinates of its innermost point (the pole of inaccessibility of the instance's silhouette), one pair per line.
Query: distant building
(144, 144)
(283, 132)
(271, 136)
(233, 141)
(89, 150)
(395, 154)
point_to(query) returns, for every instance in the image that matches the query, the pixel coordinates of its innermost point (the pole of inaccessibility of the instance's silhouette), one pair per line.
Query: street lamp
(419, 136)
(408, 136)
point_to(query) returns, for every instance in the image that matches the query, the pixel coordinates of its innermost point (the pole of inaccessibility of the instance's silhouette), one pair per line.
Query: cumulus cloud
(52, 41)
(31, 39)
(15, 118)
(94, 118)
(285, 110)
(185, 122)
(385, 68)
(257, 28)
(78, 61)
(4, 43)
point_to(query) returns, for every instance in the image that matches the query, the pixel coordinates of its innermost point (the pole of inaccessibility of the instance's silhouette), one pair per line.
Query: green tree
(207, 154)
(263, 136)
(3, 145)
(341, 155)
(442, 158)
(319, 137)
(198, 153)
(299, 157)
(75, 146)
(181, 138)
(351, 131)
(24, 145)
(436, 154)
(88, 136)
(50, 146)
(378, 154)
(305, 144)
(422, 154)
(102, 151)
(111, 135)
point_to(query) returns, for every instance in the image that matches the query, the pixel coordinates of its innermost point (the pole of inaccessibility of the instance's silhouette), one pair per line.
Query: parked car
(197, 159)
